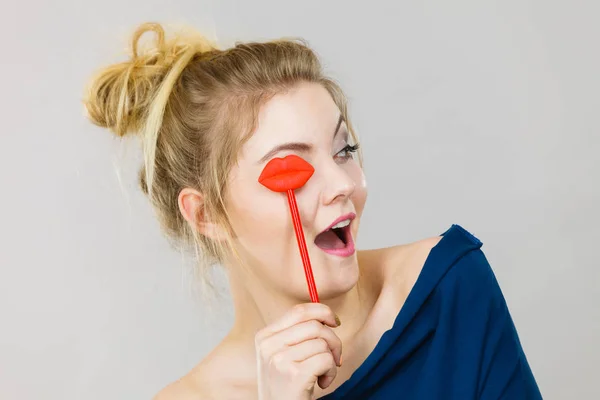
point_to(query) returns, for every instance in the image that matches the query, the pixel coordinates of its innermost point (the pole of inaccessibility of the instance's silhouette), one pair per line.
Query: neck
(256, 307)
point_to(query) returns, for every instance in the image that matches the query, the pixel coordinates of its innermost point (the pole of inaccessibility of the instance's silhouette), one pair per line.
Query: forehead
(306, 113)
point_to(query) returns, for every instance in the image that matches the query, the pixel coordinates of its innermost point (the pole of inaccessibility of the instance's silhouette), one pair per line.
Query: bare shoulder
(401, 265)
(193, 386)
(224, 373)
(182, 389)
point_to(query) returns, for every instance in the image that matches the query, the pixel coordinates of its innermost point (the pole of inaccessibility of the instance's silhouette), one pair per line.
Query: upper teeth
(342, 224)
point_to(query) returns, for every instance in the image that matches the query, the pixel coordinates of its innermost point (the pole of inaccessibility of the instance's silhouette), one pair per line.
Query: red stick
(310, 280)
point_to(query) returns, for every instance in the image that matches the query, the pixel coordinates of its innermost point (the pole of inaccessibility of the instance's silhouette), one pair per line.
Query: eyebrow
(298, 146)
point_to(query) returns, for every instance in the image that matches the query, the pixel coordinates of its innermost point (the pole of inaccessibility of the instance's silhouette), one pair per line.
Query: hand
(297, 351)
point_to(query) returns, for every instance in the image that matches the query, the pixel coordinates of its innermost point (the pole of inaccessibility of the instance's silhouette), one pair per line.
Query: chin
(337, 277)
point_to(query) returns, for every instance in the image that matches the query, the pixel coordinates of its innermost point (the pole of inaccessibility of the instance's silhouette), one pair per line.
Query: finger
(306, 331)
(323, 369)
(304, 350)
(298, 314)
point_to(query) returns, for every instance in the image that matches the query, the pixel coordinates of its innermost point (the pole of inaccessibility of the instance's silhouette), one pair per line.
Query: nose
(338, 185)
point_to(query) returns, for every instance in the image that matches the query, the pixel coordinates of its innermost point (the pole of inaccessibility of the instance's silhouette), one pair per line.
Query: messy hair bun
(120, 96)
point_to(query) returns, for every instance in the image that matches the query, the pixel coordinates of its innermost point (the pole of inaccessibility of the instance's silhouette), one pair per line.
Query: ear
(191, 206)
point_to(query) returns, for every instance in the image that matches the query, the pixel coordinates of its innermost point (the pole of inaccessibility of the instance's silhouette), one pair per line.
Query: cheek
(261, 226)
(256, 214)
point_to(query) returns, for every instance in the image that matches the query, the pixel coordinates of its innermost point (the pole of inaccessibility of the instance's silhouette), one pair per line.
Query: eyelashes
(347, 151)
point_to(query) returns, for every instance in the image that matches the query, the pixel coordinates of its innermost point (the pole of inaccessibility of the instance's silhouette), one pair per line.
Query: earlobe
(191, 206)
(213, 231)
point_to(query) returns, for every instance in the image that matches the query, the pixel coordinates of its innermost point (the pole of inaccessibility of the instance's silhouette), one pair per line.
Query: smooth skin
(281, 345)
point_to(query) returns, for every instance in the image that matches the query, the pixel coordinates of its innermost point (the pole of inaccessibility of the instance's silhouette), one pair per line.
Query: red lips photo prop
(288, 173)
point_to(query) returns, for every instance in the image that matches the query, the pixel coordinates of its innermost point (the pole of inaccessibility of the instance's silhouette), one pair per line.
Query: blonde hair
(193, 106)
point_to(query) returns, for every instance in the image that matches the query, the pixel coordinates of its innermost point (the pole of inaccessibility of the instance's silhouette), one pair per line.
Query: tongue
(329, 240)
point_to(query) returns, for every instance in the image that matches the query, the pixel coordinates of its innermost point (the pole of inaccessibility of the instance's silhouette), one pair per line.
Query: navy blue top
(454, 337)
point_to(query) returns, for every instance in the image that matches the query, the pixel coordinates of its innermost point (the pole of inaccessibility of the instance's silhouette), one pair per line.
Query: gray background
(472, 112)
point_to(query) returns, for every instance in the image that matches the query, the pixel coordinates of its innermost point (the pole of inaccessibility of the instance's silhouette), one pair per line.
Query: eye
(345, 154)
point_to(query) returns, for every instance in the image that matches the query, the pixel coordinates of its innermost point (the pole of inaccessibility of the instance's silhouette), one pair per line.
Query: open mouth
(334, 238)
(337, 239)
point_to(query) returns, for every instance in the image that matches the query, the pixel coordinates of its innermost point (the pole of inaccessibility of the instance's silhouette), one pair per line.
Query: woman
(423, 320)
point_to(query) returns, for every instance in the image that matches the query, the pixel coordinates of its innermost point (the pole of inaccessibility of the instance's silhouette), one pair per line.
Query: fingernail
(337, 320)
(341, 358)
